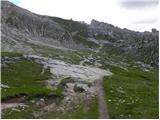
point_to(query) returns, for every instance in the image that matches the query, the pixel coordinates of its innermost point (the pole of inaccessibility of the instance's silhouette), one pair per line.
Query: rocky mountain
(54, 68)
(26, 32)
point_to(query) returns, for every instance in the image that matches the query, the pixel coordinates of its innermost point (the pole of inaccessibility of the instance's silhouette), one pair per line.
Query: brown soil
(101, 101)
(14, 99)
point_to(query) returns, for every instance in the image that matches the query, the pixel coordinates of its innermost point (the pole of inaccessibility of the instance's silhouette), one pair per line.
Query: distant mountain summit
(29, 33)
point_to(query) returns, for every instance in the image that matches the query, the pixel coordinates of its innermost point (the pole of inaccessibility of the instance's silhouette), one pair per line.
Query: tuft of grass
(132, 94)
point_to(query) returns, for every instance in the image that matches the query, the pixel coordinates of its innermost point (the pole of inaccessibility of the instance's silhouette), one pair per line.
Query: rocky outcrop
(20, 27)
(142, 45)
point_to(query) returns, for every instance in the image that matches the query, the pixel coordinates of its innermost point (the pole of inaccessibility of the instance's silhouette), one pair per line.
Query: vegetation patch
(21, 112)
(10, 54)
(84, 41)
(84, 111)
(132, 93)
(73, 57)
(24, 77)
(80, 113)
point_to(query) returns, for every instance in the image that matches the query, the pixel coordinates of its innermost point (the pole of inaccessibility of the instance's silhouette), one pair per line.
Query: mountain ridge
(21, 29)
(57, 68)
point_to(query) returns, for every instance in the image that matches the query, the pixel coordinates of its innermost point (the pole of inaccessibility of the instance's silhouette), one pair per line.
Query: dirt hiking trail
(102, 106)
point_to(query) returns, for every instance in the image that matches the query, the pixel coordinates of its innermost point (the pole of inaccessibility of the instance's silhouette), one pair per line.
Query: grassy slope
(82, 40)
(132, 93)
(68, 56)
(23, 114)
(9, 54)
(23, 78)
(129, 94)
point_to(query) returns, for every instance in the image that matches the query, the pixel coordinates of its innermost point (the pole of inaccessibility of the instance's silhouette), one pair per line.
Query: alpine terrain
(57, 68)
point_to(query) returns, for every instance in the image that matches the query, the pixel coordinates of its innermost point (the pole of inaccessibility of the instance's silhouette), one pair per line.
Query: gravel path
(101, 101)
(102, 106)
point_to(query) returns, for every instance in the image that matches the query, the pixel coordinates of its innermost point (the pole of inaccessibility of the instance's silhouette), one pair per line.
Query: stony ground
(79, 84)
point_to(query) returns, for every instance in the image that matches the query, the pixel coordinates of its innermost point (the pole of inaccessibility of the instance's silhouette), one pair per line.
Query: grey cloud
(146, 21)
(138, 4)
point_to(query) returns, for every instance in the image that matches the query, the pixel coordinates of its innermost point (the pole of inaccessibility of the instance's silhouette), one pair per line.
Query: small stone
(14, 109)
(42, 99)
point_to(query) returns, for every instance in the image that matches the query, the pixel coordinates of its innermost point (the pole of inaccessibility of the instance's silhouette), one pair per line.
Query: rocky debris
(143, 66)
(97, 64)
(13, 105)
(91, 58)
(4, 86)
(17, 110)
(5, 61)
(50, 107)
(70, 102)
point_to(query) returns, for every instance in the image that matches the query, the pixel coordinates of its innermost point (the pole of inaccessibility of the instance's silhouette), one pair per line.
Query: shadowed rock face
(20, 25)
(23, 31)
(30, 23)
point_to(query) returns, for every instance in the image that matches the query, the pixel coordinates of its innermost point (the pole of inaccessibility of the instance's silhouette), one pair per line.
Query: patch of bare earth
(101, 101)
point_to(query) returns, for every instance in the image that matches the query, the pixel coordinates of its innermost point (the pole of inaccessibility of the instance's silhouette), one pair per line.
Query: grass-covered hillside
(132, 93)
(22, 77)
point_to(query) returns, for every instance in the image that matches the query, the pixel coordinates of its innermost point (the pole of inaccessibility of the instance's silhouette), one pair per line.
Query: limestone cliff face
(20, 25)
(23, 31)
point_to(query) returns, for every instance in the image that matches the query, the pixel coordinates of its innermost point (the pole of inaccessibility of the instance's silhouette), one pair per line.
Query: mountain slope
(57, 68)
(24, 31)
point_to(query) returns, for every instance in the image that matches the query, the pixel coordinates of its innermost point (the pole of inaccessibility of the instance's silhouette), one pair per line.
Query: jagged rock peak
(154, 30)
(96, 22)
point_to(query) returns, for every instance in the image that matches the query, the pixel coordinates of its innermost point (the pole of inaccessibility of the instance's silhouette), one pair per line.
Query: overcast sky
(139, 15)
